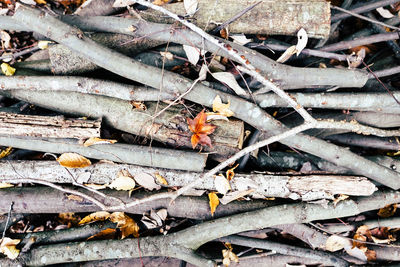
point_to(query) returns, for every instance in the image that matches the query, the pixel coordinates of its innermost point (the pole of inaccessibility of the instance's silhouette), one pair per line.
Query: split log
(269, 17)
(48, 126)
(130, 154)
(305, 187)
(170, 127)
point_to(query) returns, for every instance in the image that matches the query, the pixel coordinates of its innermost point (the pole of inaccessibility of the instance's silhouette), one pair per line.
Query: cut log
(305, 187)
(269, 17)
(170, 127)
(48, 126)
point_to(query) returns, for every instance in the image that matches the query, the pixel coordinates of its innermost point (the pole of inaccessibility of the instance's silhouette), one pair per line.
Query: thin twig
(365, 18)
(8, 220)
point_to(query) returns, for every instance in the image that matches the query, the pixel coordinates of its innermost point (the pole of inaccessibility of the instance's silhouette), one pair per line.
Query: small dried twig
(365, 18)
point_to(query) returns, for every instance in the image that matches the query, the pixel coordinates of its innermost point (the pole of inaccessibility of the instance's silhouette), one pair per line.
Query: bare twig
(365, 18)
(8, 220)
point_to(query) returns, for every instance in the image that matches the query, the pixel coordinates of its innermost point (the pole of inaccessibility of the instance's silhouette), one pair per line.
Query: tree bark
(269, 17)
(48, 126)
(305, 187)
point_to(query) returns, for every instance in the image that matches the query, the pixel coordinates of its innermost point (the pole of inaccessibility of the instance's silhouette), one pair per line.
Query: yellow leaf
(5, 185)
(387, 211)
(96, 216)
(160, 179)
(97, 141)
(4, 153)
(40, 2)
(230, 173)
(43, 44)
(341, 197)
(7, 69)
(69, 218)
(124, 181)
(222, 109)
(73, 160)
(125, 223)
(214, 202)
(7, 247)
(228, 255)
(106, 234)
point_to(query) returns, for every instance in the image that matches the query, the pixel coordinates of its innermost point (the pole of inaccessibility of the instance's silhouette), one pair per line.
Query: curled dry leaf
(106, 234)
(221, 184)
(214, 202)
(231, 172)
(228, 255)
(228, 79)
(302, 39)
(192, 53)
(203, 72)
(231, 196)
(387, 211)
(200, 130)
(384, 13)
(5, 185)
(124, 181)
(7, 69)
(155, 219)
(335, 243)
(96, 186)
(290, 51)
(73, 160)
(240, 39)
(168, 55)
(4, 153)
(190, 6)
(147, 181)
(5, 39)
(222, 109)
(96, 216)
(160, 179)
(97, 141)
(7, 247)
(44, 44)
(126, 224)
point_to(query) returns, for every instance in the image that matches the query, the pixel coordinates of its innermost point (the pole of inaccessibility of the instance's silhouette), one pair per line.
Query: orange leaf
(387, 211)
(126, 224)
(106, 234)
(200, 130)
(214, 202)
(73, 160)
(94, 217)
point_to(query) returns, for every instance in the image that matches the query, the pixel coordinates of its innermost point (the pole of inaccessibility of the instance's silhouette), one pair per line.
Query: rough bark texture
(269, 17)
(37, 199)
(305, 187)
(170, 127)
(48, 126)
(130, 154)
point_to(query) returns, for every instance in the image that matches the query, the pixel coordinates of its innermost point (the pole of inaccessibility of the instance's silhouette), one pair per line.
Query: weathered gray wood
(305, 187)
(48, 126)
(131, 154)
(269, 17)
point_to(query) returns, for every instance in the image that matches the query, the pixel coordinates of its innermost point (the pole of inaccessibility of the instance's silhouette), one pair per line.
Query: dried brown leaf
(73, 160)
